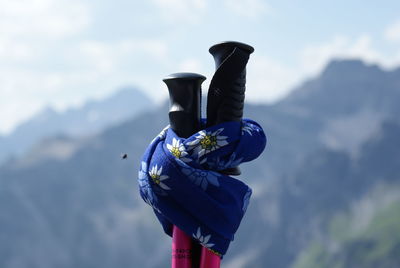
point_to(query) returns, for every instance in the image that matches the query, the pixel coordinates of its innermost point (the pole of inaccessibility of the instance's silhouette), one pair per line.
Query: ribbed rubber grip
(227, 88)
(226, 94)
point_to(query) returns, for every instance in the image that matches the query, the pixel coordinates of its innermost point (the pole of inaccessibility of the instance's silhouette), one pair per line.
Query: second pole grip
(185, 97)
(184, 118)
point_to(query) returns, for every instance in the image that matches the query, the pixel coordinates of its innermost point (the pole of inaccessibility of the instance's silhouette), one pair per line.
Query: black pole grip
(184, 116)
(225, 100)
(227, 88)
(185, 97)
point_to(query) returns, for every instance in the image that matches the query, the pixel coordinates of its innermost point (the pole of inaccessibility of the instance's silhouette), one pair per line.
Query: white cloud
(42, 18)
(47, 56)
(247, 8)
(27, 29)
(25, 92)
(15, 50)
(268, 80)
(192, 65)
(16, 111)
(99, 55)
(189, 11)
(97, 67)
(314, 57)
(392, 32)
(111, 57)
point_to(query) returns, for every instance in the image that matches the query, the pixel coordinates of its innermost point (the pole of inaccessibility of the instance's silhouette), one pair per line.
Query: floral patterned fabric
(179, 179)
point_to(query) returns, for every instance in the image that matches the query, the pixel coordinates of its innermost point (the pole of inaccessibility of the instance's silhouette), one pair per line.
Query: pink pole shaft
(209, 259)
(181, 249)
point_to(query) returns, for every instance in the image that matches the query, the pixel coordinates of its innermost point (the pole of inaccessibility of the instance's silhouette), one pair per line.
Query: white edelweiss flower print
(145, 188)
(178, 150)
(158, 178)
(247, 128)
(246, 200)
(149, 197)
(146, 192)
(207, 141)
(200, 177)
(218, 164)
(162, 134)
(143, 171)
(203, 240)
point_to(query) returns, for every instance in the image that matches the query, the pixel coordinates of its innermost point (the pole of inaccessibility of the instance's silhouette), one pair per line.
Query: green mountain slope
(376, 245)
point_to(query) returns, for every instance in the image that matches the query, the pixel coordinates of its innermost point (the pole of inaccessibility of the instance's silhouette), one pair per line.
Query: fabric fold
(179, 179)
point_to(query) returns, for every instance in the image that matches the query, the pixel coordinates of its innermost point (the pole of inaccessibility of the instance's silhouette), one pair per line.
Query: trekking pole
(184, 118)
(225, 102)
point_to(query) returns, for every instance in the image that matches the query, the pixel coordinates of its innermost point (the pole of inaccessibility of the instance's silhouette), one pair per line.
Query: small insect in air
(124, 156)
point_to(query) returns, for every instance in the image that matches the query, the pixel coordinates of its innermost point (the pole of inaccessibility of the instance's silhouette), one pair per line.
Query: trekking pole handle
(184, 118)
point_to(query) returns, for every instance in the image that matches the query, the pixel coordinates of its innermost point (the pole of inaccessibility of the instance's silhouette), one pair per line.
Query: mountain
(91, 118)
(366, 233)
(347, 87)
(82, 210)
(328, 185)
(376, 244)
(324, 194)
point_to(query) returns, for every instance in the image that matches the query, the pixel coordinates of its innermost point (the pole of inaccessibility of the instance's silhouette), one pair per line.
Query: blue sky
(63, 52)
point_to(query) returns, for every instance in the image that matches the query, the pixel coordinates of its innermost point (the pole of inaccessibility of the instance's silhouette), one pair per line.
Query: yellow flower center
(175, 152)
(155, 178)
(208, 142)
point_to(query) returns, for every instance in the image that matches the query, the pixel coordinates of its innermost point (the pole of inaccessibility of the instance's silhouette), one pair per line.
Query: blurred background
(81, 80)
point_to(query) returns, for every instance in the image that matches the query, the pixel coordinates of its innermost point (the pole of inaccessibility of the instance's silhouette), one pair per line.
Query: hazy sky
(62, 52)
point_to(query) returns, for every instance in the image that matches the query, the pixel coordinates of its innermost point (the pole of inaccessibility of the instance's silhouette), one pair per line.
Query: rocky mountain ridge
(84, 210)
